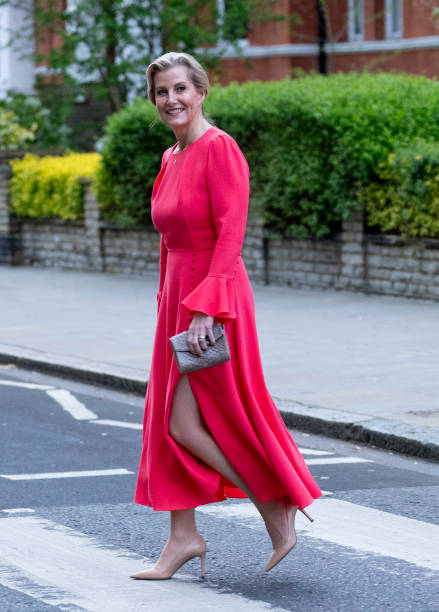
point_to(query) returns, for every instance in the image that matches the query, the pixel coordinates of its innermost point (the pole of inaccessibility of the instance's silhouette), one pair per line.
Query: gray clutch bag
(214, 354)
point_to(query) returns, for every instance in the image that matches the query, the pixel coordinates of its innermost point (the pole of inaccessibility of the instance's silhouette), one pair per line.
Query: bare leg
(187, 428)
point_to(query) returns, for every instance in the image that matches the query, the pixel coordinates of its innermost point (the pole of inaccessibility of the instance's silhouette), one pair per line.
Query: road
(70, 534)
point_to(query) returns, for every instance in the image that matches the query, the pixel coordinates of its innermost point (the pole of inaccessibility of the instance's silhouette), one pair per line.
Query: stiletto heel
(194, 549)
(203, 564)
(307, 515)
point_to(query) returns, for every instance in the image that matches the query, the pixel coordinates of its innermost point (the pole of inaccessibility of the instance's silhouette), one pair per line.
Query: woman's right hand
(199, 332)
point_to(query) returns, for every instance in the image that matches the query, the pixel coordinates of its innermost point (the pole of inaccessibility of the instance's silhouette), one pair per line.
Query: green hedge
(405, 201)
(131, 157)
(48, 186)
(313, 144)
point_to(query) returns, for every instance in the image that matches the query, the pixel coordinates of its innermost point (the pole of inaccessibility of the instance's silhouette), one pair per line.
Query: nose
(171, 97)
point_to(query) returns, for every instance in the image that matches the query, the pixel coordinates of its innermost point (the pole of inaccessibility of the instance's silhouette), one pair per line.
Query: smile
(175, 111)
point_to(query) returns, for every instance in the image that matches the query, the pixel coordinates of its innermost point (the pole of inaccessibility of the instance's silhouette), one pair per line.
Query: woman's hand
(200, 330)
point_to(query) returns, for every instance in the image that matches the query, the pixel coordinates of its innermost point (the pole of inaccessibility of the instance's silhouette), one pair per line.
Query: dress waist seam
(211, 248)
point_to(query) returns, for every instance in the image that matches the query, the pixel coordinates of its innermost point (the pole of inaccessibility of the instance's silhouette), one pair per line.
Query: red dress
(199, 204)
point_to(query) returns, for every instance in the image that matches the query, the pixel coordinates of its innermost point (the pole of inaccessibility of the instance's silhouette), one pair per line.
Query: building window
(233, 20)
(356, 19)
(393, 18)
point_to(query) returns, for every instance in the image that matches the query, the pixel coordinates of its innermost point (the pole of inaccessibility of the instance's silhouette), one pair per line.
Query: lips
(175, 111)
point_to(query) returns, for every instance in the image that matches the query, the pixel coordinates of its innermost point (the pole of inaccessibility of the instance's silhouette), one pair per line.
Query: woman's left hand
(200, 329)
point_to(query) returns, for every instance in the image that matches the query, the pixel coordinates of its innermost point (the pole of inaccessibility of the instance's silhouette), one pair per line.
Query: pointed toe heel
(164, 573)
(279, 553)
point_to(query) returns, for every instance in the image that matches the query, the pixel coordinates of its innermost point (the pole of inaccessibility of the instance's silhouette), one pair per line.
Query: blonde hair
(197, 74)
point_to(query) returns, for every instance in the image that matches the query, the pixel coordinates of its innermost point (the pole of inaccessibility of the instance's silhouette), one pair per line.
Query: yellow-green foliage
(49, 186)
(404, 199)
(12, 135)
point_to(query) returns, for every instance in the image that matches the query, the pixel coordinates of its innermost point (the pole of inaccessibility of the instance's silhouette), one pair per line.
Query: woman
(214, 433)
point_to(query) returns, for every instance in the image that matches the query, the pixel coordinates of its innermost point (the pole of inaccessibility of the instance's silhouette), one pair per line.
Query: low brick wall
(54, 243)
(65, 244)
(350, 259)
(403, 267)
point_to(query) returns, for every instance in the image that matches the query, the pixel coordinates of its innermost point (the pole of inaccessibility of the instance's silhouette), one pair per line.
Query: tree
(104, 46)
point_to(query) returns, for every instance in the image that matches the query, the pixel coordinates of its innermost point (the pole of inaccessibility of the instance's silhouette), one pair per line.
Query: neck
(189, 133)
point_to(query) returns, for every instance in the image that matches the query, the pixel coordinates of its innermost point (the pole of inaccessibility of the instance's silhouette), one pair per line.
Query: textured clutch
(214, 354)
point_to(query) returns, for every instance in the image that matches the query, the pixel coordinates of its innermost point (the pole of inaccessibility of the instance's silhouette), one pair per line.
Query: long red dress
(199, 204)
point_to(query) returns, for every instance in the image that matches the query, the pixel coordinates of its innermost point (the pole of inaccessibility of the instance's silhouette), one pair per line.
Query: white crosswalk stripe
(71, 404)
(353, 526)
(336, 460)
(112, 423)
(77, 474)
(66, 568)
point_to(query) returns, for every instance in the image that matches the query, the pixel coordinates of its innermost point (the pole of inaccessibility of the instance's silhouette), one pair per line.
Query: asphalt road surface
(70, 534)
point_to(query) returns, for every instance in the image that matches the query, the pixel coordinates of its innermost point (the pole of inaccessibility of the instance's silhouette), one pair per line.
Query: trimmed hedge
(313, 144)
(406, 200)
(49, 186)
(131, 155)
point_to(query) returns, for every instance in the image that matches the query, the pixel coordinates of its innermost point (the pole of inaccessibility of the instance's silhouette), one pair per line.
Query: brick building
(344, 35)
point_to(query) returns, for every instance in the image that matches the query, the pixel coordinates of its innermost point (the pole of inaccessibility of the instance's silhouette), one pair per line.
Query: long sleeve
(227, 177)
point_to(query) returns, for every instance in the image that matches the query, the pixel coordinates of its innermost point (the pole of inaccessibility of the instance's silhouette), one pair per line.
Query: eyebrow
(176, 85)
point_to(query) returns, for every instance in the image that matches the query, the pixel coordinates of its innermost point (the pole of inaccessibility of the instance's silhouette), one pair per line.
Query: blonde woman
(214, 433)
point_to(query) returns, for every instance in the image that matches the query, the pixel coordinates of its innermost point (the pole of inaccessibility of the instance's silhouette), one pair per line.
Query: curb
(119, 378)
(391, 435)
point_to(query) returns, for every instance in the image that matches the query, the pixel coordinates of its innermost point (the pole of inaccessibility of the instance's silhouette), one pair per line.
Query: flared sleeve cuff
(215, 296)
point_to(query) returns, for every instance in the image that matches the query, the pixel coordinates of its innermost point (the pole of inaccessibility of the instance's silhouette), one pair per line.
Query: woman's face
(177, 100)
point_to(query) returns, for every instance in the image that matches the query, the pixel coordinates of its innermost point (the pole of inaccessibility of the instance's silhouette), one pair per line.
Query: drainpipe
(321, 36)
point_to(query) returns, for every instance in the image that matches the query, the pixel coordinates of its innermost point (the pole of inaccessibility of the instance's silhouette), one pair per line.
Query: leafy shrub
(49, 186)
(312, 144)
(131, 155)
(405, 199)
(12, 135)
(46, 127)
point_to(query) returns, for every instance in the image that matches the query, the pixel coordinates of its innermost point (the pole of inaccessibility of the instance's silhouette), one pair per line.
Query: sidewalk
(359, 367)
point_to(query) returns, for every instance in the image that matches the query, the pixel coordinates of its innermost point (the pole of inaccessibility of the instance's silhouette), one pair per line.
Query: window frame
(221, 10)
(352, 35)
(390, 33)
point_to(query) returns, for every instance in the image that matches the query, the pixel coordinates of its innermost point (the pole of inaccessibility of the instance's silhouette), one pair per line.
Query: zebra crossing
(71, 570)
(56, 550)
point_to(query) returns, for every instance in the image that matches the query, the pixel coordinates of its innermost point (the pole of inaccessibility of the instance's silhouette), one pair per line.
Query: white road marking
(112, 423)
(17, 510)
(70, 404)
(334, 460)
(49, 475)
(63, 567)
(13, 383)
(353, 526)
(313, 451)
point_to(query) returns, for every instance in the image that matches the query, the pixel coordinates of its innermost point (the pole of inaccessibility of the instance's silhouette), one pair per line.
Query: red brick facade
(277, 49)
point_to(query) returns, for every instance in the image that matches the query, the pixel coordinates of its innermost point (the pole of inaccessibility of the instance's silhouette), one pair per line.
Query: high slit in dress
(199, 205)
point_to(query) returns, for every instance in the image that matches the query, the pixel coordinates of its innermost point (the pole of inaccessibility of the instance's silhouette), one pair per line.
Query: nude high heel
(279, 553)
(197, 548)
